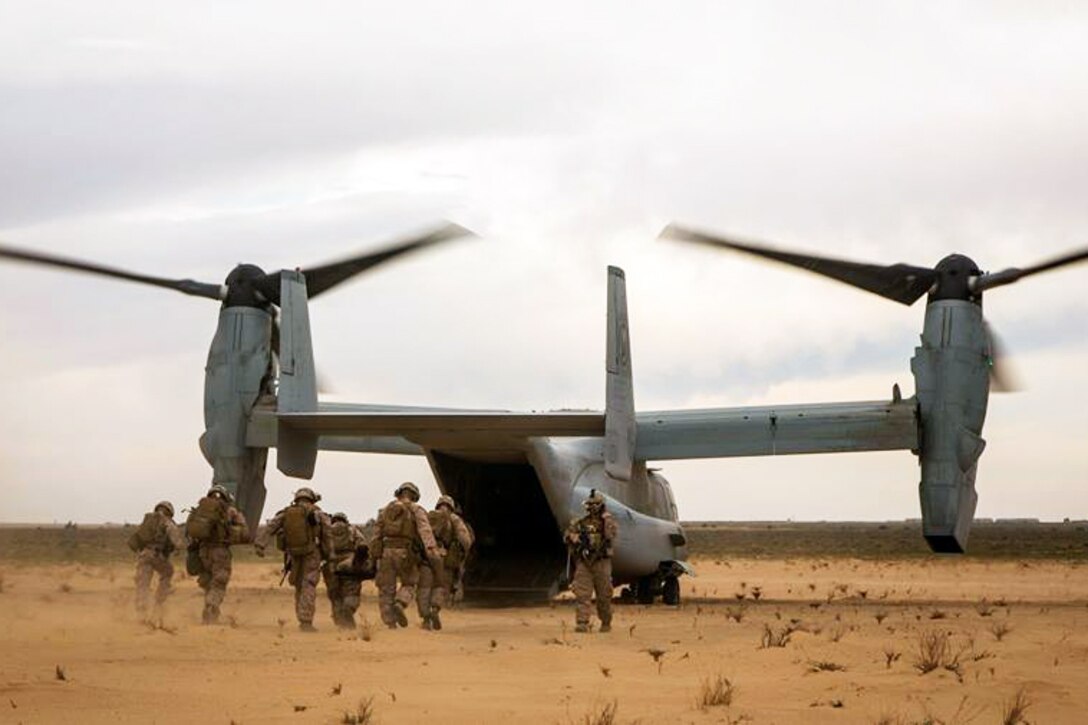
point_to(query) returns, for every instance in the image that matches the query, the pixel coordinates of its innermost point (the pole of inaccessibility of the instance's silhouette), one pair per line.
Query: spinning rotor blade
(186, 286)
(1013, 274)
(1003, 376)
(323, 278)
(900, 282)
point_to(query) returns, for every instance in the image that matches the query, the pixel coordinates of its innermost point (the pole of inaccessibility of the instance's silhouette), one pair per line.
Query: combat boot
(606, 626)
(426, 624)
(436, 623)
(398, 612)
(306, 627)
(581, 627)
(210, 615)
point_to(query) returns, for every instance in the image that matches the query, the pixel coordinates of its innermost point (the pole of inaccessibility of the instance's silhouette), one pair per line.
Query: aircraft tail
(296, 448)
(620, 428)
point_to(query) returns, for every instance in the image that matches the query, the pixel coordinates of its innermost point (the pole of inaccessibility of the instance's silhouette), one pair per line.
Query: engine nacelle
(239, 370)
(952, 378)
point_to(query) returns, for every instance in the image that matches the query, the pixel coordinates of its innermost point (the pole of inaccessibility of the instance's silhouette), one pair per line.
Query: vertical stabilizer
(619, 435)
(296, 450)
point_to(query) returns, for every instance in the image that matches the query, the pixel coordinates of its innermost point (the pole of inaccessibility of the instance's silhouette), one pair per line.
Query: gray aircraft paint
(238, 367)
(952, 376)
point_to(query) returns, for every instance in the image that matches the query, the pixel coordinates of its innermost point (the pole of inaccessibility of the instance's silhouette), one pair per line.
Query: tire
(644, 593)
(670, 591)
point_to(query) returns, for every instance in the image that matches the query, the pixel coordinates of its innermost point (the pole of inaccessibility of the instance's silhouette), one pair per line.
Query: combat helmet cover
(445, 500)
(595, 501)
(410, 488)
(340, 516)
(220, 490)
(167, 507)
(308, 494)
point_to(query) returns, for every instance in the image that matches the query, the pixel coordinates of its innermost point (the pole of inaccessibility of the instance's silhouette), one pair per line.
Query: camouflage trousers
(148, 563)
(305, 574)
(216, 562)
(433, 591)
(343, 594)
(396, 564)
(593, 578)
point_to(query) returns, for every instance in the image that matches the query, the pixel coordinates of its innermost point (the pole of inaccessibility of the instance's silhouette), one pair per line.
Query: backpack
(298, 533)
(147, 533)
(396, 521)
(442, 525)
(207, 523)
(342, 540)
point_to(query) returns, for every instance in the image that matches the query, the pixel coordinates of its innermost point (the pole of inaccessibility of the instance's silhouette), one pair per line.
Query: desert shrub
(716, 691)
(1013, 711)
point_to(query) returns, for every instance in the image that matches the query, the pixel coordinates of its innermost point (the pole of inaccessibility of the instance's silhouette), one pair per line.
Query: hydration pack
(207, 523)
(442, 525)
(342, 540)
(299, 533)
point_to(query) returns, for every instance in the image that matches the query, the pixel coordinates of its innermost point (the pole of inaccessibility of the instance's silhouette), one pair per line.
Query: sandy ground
(526, 665)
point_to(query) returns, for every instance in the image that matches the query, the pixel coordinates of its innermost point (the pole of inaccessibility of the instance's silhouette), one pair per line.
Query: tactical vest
(207, 523)
(591, 542)
(150, 532)
(299, 534)
(396, 523)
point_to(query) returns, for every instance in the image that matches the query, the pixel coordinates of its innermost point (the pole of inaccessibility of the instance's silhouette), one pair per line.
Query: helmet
(340, 516)
(167, 507)
(409, 488)
(446, 501)
(221, 491)
(595, 502)
(307, 493)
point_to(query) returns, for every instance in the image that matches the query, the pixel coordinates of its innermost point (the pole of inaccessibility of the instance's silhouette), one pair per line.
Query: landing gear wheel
(670, 590)
(644, 591)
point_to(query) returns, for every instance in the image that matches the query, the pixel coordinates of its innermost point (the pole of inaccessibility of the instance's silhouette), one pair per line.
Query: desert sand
(851, 658)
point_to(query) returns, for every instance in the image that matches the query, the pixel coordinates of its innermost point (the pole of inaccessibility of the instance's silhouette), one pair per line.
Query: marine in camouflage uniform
(304, 531)
(590, 540)
(154, 542)
(454, 541)
(403, 536)
(215, 555)
(343, 582)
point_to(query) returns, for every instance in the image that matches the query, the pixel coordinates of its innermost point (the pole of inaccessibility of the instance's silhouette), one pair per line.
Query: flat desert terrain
(798, 639)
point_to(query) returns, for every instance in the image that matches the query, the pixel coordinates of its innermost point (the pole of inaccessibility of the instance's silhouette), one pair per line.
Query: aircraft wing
(408, 430)
(777, 430)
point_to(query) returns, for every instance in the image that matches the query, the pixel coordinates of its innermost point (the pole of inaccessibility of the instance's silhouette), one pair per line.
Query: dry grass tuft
(716, 691)
(736, 613)
(776, 638)
(999, 630)
(984, 609)
(880, 616)
(932, 651)
(825, 666)
(65, 588)
(60, 674)
(601, 715)
(1013, 711)
(363, 715)
(890, 656)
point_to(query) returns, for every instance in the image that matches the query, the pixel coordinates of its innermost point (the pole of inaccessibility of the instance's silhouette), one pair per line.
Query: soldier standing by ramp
(304, 531)
(590, 540)
(155, 541)
(213, 526)
(454, 543)
(404, 535)
(343, 579)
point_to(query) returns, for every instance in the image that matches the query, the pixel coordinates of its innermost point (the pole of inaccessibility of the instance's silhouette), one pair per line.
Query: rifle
(286, 567)
(585, 550)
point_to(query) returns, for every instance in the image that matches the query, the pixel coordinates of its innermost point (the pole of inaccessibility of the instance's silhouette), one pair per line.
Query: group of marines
(404, 549)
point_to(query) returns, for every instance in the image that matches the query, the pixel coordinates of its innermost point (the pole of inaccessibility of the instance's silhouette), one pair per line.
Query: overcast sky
(179, 139)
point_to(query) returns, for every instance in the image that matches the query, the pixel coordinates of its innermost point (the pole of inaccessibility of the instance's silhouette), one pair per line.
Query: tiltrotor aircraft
(521, 477)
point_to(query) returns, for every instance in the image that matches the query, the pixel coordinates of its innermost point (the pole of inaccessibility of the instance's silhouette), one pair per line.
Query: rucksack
(396, 521)
(298, 532)
(342, 540)
(147, 533)
(208, 521)
(442, 525)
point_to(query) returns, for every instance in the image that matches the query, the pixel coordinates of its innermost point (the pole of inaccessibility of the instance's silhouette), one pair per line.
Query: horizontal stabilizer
(408, 424)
